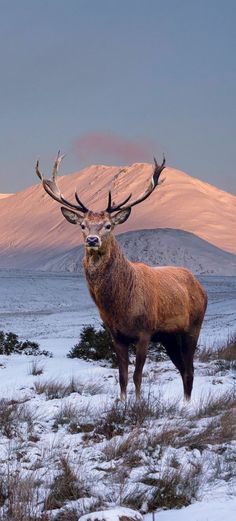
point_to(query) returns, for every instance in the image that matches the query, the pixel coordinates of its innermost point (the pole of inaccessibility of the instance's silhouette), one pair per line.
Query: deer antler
(152, 185)
(52, 188)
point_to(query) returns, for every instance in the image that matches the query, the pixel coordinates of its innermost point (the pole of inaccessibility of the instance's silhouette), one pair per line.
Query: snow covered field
(51, 309)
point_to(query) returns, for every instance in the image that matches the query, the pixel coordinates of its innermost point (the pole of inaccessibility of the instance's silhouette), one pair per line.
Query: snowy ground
(52, 309)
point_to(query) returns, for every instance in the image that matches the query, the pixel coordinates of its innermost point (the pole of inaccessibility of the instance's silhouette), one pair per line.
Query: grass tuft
(66, 487)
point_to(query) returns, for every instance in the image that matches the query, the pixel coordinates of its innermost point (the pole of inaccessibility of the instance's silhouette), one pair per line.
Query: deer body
(137, 303)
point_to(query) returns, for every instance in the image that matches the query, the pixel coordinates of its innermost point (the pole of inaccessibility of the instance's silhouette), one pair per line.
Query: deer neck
(107, 258)
(107, 273)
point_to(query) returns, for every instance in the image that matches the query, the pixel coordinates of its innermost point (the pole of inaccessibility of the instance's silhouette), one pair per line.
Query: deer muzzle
(93, 241)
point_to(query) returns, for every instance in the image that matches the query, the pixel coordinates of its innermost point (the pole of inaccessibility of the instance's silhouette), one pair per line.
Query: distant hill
(159, 248)
(33, 231)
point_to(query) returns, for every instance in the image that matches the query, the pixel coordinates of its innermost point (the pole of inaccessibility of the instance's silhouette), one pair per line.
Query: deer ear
(72, 217)
(121, 216)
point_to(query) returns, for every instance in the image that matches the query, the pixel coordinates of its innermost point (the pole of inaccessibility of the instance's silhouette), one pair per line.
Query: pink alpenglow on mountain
(3, 196)
(31, 223)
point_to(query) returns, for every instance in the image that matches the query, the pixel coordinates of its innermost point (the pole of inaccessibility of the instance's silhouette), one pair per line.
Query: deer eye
(83, 226)
(108, 226)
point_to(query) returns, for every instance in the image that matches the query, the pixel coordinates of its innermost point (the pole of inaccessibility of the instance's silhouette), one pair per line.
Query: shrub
(97, 345)
(94, 345)
(10, 344)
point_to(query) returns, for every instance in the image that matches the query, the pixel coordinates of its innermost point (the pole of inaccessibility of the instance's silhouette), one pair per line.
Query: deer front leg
(121, 351)
(141, 355)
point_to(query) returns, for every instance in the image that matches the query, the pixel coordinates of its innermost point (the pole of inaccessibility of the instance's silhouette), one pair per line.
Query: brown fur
(139, 303)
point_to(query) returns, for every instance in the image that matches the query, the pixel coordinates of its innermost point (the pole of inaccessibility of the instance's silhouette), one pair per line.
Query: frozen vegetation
(68, 448)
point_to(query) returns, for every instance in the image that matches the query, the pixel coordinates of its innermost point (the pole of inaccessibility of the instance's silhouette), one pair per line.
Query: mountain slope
(158, 248)
(3, 196)
(31, 223)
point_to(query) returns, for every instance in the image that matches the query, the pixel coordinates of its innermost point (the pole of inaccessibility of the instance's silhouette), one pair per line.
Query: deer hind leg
(180, 348)
(121, 351)
(141, 355)
(189, 344)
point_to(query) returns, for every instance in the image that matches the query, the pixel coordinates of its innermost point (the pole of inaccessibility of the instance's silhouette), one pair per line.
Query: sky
(117, 82)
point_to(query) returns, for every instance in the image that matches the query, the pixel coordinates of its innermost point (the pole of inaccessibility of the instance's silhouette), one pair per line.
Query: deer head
(96, 226)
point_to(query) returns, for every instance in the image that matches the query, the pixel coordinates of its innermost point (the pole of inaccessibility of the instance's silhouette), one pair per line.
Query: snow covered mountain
(33, 231)
(158, 248)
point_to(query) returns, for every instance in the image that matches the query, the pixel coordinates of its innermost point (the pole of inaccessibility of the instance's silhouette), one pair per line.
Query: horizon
(117, 84)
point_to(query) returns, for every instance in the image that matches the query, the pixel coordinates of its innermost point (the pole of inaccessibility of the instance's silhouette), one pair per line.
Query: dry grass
(127, 448)
(212, 405)
(55, 389)
(169, 434)
(21, 498)
(66, 486)
(224, 356)
(36, 368)
(92, 388)
(12, 415)
(67, 515)
(118, 418)
(74, 418)
(175, 487)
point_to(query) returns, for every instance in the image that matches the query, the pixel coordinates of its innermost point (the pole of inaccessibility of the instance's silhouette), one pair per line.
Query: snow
(51, 309)
(158, 247)
(217, 510)
(112, 515)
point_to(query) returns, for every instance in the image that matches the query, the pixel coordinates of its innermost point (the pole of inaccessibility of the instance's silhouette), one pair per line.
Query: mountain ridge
(31, 221)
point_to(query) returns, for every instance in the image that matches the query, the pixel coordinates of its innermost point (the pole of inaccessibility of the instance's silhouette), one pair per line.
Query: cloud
(105, 148)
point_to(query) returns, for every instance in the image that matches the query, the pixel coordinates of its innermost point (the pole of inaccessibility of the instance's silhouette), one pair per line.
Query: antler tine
(109, 205)
(52, 188)
(158, 169)
(152, 185)
(38, 171)
(83, 208)
(113, 208)
(57, 164)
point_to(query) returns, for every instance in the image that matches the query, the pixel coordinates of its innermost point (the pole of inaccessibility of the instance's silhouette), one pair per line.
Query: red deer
(136, 302)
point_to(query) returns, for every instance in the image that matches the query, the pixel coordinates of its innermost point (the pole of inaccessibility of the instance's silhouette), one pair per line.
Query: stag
(136, 302)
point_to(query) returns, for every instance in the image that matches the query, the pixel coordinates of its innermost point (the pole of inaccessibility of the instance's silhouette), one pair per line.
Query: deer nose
(92, 240)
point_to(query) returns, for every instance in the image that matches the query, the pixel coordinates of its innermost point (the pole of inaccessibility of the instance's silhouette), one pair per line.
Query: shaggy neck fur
(108, 274)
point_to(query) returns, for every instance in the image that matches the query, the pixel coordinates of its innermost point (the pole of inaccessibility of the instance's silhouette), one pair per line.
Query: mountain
(33, 231)
(158, 248)
(3, 196)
